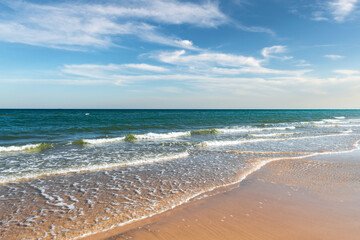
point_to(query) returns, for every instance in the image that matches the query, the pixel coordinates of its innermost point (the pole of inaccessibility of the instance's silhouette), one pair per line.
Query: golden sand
(302, 199)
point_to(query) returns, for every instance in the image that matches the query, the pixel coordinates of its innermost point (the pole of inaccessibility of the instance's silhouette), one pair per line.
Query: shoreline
(255, 208)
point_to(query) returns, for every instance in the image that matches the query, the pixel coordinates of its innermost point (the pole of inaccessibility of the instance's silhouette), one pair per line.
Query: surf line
(239, 180)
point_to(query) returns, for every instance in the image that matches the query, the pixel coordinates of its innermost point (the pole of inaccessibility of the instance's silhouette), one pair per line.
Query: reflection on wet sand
(313, 198)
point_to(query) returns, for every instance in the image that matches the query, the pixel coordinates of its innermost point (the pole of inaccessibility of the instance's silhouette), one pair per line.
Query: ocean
(69, 173)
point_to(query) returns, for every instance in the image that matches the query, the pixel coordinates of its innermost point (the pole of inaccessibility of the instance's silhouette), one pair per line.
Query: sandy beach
(260, 177)
(313, 198)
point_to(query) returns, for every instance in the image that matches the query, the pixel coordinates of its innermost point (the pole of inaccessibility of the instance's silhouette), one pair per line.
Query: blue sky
(180, 54)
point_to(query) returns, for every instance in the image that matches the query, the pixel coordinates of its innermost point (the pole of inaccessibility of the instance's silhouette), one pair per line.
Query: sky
(180, 54)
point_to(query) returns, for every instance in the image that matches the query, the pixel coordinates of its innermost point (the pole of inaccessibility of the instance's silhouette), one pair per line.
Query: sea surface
(69, 173)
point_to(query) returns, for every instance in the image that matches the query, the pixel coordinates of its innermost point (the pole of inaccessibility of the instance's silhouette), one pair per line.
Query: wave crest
(28, 147)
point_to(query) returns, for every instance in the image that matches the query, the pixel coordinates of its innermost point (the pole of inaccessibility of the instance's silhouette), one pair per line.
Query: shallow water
(66, 173)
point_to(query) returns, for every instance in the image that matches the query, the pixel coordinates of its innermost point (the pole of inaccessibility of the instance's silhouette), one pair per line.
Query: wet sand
(315, 198)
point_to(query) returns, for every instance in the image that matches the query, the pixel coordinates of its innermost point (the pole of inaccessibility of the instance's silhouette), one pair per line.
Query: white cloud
(166, 11)
(75, 25)
(110, 73)
(146, 67)
(333, 57)
(326, 10)
(181, 66)
(222, 63)
(255, 29)
(319, 16)
(219, 63)
(206, 59)
(347, 72)
(269, 51)
(292, 84)
(225, 81)
(342, 8)
(185, 43)
(302, 63)
(260, 70)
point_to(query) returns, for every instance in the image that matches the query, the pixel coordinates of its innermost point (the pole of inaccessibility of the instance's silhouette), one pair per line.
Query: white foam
(103, 140)
(242, 141)
(271, 134)
(331, 120)
(241, 178)
(170, 135)
(147, 136)
(318, 122)
(238, 130)
(354, 120)
(18, 148)
(250, 129)
(155, 136)
(96, 167)
(280, 128)
(341, 117)
(338, 125)
(234, 142)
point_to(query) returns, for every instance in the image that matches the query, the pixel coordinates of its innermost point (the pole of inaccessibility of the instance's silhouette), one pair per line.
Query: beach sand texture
(314, 198)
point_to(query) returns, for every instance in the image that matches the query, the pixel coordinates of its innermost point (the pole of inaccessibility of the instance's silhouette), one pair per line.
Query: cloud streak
(206, 59)
(183, 67)
(77, 26)
(340, 9)
(333, 57)
(347, 72)
(269, 51)
(327, 10)
(110, 72)
(221, 63)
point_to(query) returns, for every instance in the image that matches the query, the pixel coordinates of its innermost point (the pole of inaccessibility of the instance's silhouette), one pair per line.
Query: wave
(171, 135)
(270, 134)
(233, 142)
(332, 121)
(101, 140)
(341, 117)
(353, 120)
(242, 141)
(337, 125)
(240, 179)
(250, 129)
(28, 147)
(95, 167)
(204, 131)
(254, 152)
(317, 122)
(238, 130)
(133, 137)
(162, 135)
(279, 128)
(349, 125)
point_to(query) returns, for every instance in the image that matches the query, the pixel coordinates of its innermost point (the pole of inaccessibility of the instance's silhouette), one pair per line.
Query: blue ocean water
(57, 141)
(21, 127)
(114, 166)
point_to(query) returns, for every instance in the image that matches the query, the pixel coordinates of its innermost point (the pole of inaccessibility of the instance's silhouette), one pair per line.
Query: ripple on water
(71, 205)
